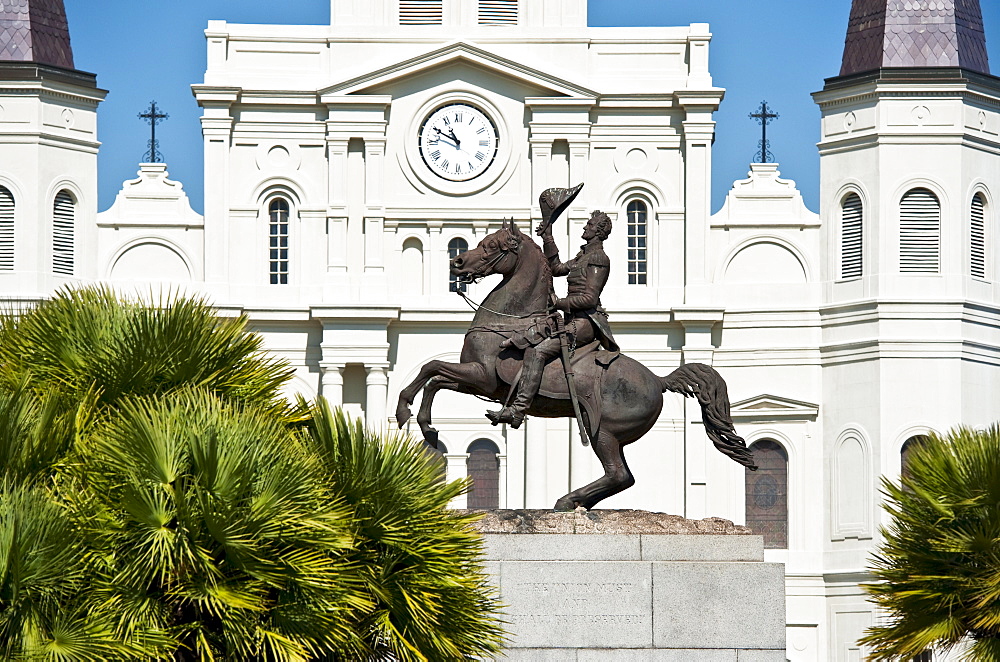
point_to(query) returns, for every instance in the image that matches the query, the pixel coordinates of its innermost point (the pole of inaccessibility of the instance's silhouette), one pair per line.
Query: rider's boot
(527, 388)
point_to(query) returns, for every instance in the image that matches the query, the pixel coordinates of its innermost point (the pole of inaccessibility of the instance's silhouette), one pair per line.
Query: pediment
(459, 52)
(774, 406)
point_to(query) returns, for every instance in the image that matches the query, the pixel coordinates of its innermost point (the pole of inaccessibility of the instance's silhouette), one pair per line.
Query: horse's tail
(703, 382)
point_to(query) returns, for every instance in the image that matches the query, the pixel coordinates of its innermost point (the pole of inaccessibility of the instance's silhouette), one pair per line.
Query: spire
(35, 31)
(915, 33)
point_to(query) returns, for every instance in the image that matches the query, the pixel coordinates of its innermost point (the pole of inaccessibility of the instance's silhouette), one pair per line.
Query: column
(536, 463)
(457, 469)
(332, 383)
(697, 348)
(376, 385)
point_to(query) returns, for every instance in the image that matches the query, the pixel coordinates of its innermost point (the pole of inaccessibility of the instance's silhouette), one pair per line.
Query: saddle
(589, 363)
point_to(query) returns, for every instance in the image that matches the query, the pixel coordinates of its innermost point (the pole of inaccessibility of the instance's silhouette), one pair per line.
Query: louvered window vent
(497, 12)
(64, 211)
(6, 230)
(420, 12)
(851, 217)
(919, 233)
(978, 245)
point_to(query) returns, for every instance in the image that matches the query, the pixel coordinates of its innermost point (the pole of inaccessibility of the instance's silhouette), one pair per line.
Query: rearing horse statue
(621, 399)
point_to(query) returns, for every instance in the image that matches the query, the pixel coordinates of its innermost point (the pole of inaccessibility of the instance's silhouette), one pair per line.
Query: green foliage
(160, 500)
(940, 563)
(92, 339)
(420, 563)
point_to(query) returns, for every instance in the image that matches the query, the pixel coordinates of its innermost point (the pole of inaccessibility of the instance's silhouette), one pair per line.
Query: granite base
(631, 585)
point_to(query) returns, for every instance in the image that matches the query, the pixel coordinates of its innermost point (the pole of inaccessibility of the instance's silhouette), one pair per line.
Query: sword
(570, 380)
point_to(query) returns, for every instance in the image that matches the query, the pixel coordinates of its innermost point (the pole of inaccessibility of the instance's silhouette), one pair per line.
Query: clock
(458, 142)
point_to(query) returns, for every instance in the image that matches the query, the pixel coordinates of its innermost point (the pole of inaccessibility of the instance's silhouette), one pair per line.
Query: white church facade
(329, 221)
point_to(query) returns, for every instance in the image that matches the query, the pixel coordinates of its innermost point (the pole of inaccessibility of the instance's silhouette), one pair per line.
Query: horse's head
(497, 253)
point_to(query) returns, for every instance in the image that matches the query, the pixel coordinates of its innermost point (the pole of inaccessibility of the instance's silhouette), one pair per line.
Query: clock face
(458, 142)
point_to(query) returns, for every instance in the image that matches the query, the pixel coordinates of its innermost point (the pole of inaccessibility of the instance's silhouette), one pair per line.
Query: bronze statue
(585, 320)
(517, 330)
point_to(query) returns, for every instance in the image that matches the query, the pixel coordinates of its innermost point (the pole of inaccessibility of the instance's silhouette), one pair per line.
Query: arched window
(456, 247)
(63, 230)
(908, 447)
(6, 230)
(851, 221)
(767, 494)
(919, 232)
(636, 212)
(977, 247)
(278, 241)
(484, 470)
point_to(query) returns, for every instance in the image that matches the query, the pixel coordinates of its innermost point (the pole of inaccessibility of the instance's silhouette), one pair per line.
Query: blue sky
(780, 50)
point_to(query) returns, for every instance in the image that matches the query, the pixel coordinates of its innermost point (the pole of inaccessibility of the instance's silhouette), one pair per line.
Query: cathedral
(331, 211)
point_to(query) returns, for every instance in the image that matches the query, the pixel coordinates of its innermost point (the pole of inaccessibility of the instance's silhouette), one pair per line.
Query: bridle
(512, 246)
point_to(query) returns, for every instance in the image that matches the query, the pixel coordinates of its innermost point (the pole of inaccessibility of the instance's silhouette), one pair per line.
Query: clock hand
(442, 135)
(455, 138)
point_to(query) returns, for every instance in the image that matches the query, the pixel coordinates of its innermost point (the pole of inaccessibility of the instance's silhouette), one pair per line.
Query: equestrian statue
(522, 326)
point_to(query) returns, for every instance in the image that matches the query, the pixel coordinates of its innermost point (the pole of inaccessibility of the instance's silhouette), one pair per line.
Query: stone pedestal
(635, 586)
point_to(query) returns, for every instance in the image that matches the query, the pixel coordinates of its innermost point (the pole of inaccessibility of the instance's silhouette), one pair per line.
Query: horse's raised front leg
(468, 375)
(434, 385)
(616, 478)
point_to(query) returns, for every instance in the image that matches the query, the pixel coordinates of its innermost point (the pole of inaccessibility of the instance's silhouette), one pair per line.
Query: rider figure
(586, 275)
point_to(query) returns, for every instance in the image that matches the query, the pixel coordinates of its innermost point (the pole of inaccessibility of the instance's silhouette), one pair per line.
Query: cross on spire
(152, 116)
(764, 115)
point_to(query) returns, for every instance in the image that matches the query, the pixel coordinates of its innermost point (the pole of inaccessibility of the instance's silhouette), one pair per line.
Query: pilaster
(217, 130)
(699, 134)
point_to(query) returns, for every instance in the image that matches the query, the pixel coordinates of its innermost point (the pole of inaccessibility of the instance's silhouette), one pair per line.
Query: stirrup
(508, 415)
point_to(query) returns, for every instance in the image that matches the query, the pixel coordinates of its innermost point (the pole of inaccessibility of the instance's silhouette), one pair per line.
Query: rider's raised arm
(552, 255)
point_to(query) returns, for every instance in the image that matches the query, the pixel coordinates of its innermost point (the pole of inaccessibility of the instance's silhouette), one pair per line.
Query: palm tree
(421, 562)
(219, 536)
(91, 341)
(160, 500)
(939, 565)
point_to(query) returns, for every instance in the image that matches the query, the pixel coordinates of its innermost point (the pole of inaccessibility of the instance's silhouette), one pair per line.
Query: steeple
(915, 33)
(35, 31)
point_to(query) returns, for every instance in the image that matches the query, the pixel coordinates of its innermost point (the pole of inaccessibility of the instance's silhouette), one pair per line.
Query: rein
(476, 307)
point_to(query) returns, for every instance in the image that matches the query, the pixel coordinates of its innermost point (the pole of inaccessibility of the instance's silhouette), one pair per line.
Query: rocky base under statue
(634, 585)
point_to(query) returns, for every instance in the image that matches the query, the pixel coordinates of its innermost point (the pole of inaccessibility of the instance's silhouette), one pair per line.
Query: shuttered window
(636, 212)
(63, 225)
(6, 230)
(497, 12)
(851, 223)
(420, 12)
(278, 241)
(919, 232)
(978, 236)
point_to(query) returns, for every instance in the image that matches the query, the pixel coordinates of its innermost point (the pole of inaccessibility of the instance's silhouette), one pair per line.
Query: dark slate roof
(915, 33)
(35, 31)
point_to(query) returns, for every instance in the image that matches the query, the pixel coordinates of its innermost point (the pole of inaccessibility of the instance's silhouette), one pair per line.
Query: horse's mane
(546, 270)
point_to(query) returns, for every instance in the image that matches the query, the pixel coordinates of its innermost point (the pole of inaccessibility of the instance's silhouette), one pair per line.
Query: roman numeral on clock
(436, 154)
(480, 156)
(484, 143)
(444, 164)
